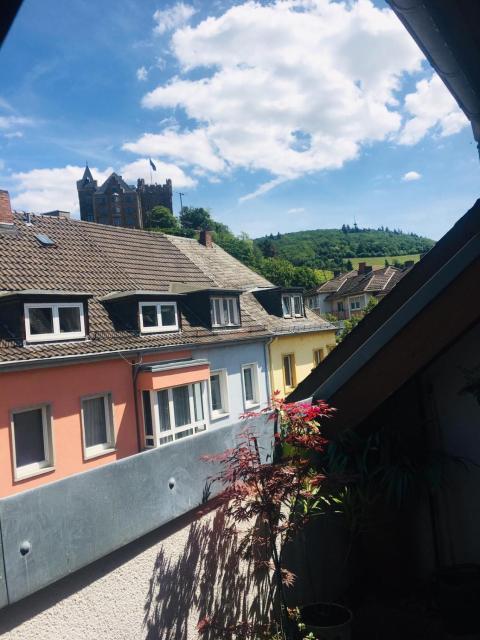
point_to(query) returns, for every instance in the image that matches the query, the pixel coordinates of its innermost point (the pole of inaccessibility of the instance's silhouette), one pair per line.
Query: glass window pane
(69, 318)
(168, 315)
(28, 432)
(226, 318)
(298, 305)
(216, 393)
(287, 368)
(197, 401)
(41, 320)
(287, 306)
(248, 384)
(147, 413)
(149, 315)
(95, 422)
(181, 406)
(164, 410)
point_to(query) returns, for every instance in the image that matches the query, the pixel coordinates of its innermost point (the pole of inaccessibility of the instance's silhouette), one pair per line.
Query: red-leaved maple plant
(269, 501)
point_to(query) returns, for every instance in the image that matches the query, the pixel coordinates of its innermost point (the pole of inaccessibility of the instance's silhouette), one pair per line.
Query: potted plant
(272, 501)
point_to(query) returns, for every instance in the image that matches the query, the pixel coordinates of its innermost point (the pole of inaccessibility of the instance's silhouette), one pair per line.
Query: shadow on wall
(208, 580)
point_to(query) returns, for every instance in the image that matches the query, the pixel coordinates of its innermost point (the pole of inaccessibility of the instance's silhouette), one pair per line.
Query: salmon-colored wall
(172, 378)
(62, 388)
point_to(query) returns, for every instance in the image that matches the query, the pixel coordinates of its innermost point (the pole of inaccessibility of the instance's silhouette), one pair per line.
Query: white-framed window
(32, 441)
(97, 425)
(157, 317)
(224, 312)
(288, 361)
(54, 321)
(218, 393)
(251, 397)
(292, 306)
(318, 356)
(356, 303)
(174, 413)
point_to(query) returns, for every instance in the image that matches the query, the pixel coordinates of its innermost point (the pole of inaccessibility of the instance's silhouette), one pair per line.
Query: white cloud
(318, 72)
(190, 148)
(431, 106)
(142, 73)
(14, 134)
(173, 17)
(141, 169)
(48, 189)
(296, 210)
(410, 176)
(8, 122)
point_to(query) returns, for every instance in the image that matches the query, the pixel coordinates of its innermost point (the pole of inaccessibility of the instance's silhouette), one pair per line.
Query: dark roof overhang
(44, 294)
(448, 33)
(137, 294)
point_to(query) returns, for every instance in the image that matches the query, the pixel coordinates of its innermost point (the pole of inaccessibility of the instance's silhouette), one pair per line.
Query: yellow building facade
(293, 356)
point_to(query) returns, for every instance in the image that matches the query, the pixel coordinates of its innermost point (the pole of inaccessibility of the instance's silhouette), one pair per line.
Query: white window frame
(291, 297)
(159, 328)
(355, 303)
(291, 366)
(56, 334)
(197, 426)
(105, 447)
(249, 404)
(224, 411)
(224, 320)
(46, 465)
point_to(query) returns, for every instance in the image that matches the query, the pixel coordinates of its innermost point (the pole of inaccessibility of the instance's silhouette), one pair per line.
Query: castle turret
(86, 188)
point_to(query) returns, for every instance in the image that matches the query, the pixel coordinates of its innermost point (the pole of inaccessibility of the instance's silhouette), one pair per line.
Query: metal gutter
(19, 365)
(156, 367)
(412, 307)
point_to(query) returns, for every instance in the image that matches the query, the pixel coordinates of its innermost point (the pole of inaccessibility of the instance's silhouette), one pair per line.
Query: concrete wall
(232, 358)
(302, 345)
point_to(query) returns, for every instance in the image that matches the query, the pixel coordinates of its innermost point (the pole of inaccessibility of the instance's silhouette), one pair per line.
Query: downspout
(135, 372)
(268, 365)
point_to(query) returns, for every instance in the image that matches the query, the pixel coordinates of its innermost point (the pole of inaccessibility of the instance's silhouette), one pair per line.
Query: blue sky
(279, 116)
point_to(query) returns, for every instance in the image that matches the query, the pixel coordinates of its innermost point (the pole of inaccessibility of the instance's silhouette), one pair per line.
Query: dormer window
(224, 312)
(157, 317)
(54, 321)
(292, 306)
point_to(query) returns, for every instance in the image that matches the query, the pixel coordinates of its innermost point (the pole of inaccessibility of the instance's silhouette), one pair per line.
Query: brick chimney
(206, 238)
(6, 215)
(362, 267)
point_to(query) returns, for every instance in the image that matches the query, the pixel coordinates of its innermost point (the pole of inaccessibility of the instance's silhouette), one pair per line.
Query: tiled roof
(379, 280)
(101, 259)
(226, 271)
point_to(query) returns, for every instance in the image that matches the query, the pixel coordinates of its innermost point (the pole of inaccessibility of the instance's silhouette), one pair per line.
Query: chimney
(408, 263)
(336, 273)
(362, 267)
(206, 238)
(368, 268)
(6, 215)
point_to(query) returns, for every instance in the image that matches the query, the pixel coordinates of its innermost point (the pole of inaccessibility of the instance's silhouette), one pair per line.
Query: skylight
(44, 240)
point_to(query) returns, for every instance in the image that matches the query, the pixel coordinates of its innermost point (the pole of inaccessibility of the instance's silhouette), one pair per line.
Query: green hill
(332, 248)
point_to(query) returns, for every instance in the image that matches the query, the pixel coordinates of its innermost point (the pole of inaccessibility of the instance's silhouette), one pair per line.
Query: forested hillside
(305, 258)
(329, 248)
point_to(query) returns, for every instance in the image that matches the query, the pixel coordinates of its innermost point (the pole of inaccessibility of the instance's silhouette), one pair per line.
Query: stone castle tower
(119, 204)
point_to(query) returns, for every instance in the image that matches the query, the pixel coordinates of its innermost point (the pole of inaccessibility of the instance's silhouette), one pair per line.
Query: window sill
(97, 454)
(157, 330)
(18, 476)
(251, 405)
(219, 415)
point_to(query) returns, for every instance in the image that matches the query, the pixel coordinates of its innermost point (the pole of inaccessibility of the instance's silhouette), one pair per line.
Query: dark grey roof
(114, 177)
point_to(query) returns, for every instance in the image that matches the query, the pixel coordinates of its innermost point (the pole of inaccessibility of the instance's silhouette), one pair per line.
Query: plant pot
(327, 621)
